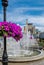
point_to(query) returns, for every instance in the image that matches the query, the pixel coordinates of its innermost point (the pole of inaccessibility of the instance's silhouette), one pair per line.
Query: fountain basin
(27, 58)
(21, 55)
(24, 53)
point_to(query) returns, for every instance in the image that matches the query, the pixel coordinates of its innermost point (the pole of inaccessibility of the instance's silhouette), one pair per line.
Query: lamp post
(5, 56)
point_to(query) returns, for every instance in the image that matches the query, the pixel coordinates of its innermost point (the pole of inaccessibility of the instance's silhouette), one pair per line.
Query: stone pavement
(38, 62)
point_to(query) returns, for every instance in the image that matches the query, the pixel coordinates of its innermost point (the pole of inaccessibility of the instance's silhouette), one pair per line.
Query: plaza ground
(38, 62)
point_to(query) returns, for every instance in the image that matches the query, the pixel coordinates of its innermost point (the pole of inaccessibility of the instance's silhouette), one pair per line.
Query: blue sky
(20, 10)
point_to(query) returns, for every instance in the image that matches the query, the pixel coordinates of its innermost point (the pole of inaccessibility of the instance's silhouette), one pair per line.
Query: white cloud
(21, 10)
(29, 8)
(40, 29)
(17, 16)
(36, 19)
(20, 18)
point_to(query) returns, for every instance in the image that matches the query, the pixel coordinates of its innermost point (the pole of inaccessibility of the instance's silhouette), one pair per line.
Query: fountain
(20, 50)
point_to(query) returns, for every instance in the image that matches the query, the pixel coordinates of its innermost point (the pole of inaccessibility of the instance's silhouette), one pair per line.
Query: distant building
(30, 27)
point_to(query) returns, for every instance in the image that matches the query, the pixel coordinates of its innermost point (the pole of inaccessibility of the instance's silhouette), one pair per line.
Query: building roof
(29, 23)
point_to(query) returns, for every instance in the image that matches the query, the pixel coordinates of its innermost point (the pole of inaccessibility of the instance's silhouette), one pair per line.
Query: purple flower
(11, 29)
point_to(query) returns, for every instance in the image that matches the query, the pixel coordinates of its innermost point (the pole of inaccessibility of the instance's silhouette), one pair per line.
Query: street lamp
(5, 56)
